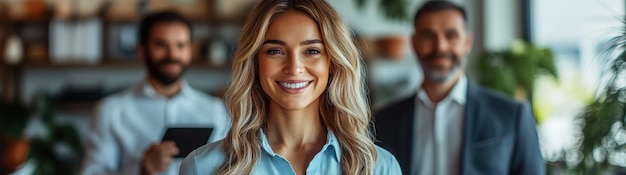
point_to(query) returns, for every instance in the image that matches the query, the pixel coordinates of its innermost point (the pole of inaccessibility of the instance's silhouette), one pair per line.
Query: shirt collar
(457, 94)
(332, 144)
(147, 90)
(459, 91)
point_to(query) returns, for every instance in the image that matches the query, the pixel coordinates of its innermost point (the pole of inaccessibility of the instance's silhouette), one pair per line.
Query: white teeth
(293, 85)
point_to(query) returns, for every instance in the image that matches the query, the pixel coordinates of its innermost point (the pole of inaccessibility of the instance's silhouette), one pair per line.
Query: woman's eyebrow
(306, 42)
(273, 41)
(313, 41)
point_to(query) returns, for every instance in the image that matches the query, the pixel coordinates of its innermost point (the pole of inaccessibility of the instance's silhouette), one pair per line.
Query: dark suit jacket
(499, 135)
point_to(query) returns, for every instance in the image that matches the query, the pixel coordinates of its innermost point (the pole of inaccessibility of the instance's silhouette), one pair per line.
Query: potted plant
(61, 150)
(393, 9)
(14, 146)
(58, 151)
(513, 71)
(603, 120)
(391, 46)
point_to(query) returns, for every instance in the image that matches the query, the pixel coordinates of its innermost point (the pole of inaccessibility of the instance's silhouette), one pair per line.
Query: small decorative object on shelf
(36, 53)
(15, 9)
(122, 39)
(26, 9)
(77, 9)
(63, 9)
(193, 9)
(14, 51)
(34, 36)
(393, 47)
(75, 41)
(123, 10)
(233, 10)
(35, 9)
(218, 52)
(87, 8)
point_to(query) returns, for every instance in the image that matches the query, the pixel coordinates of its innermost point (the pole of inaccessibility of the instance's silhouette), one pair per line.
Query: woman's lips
(294, 87)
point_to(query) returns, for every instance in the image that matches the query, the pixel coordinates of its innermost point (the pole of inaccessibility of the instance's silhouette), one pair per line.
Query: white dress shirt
(438, 129)
(127, 123)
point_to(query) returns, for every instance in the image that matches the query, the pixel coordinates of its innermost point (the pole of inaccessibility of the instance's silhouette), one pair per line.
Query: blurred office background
(59, 57)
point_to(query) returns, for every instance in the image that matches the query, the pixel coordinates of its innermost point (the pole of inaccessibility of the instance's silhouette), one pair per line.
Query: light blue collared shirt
(208, 158)
(127, 123)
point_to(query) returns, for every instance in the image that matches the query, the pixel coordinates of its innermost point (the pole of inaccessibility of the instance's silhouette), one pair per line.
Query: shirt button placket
(287, 166)
(170, 110)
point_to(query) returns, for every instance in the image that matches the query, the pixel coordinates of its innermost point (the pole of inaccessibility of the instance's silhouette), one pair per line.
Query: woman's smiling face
(293, 63)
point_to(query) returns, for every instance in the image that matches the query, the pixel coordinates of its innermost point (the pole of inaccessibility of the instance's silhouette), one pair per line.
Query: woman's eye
(273, 51)
(312, 52)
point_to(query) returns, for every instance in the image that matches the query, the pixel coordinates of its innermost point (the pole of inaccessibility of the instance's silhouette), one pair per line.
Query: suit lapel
(471, 114)
(406, 134)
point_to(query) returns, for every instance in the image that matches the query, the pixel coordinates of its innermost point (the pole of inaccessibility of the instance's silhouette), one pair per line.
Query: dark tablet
(188, 139)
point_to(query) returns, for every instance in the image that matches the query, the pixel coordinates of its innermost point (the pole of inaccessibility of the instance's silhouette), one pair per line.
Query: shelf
(86, 18)
(121, 20)
(26, 20)
(194, 19)
(81, 65)
(85, 108)
(130, 64)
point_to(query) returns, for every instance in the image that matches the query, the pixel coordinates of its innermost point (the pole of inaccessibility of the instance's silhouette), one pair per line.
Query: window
(573, 29)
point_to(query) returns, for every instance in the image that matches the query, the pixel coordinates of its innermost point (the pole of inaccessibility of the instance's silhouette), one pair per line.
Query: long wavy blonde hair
(343, 106)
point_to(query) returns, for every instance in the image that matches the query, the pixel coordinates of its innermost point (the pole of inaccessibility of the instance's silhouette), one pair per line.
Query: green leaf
(391, 9)
(516, 67)
(395, 9)
(607, 109)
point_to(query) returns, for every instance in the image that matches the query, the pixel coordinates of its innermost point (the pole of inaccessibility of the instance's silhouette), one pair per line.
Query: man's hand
(158, 157)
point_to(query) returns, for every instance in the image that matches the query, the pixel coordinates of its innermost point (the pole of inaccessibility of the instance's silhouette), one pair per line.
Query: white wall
(502, 23)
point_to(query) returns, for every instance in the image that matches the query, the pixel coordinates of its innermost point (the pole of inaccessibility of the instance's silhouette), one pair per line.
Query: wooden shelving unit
(11, 75)
(129, 64)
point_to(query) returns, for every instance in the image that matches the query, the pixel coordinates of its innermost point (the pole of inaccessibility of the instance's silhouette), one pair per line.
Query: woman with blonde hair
(297, 99)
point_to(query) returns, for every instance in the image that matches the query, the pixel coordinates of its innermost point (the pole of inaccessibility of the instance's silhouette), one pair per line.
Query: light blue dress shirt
(208, 158)
(127, 123)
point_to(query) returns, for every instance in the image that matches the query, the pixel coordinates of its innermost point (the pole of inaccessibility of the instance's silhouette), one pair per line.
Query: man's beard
(161, 77)
(442, 77)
